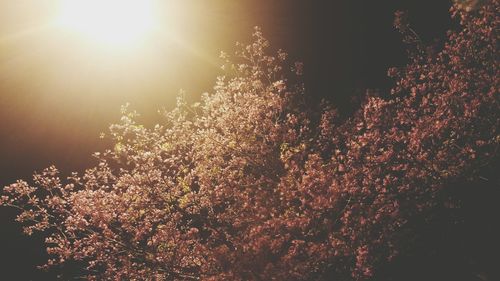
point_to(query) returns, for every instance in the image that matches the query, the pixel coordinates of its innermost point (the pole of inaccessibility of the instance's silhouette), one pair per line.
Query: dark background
(346, 46)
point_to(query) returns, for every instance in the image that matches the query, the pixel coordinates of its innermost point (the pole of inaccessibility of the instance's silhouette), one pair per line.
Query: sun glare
(112, 22)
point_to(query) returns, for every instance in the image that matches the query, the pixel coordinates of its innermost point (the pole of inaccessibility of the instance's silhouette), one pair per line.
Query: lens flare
(112, 22)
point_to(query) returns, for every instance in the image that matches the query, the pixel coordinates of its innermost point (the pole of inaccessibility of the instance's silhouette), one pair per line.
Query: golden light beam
(117, 23)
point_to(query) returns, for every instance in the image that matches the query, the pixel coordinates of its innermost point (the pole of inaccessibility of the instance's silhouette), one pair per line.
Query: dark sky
(52, 109)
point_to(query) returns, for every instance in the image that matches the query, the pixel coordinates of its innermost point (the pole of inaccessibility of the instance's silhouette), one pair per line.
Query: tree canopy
(253, 183)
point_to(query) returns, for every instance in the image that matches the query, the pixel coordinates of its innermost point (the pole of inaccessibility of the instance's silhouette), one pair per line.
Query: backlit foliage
(250, 184)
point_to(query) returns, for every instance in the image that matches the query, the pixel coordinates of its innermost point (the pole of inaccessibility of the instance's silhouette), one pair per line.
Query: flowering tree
(252, 184)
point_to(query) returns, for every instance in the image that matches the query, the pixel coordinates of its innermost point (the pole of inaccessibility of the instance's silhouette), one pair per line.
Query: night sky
(53, 109)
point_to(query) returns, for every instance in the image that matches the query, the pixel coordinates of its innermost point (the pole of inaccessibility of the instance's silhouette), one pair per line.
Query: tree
(253, 184)
(469, 5)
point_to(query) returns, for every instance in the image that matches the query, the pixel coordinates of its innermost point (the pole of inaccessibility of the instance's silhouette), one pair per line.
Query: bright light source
(113, 22)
